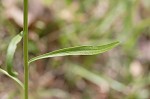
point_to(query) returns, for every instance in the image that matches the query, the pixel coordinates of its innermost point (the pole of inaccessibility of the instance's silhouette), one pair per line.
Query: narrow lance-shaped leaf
(10, 53)
(14, 78)
(79, 50)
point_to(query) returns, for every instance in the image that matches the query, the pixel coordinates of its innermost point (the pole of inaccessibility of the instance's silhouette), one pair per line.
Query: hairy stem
(25, 49)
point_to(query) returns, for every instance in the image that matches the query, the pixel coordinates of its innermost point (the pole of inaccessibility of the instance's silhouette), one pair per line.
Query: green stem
(25, 49)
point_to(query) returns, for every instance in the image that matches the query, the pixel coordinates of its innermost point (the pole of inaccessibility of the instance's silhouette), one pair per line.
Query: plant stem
(25, 49)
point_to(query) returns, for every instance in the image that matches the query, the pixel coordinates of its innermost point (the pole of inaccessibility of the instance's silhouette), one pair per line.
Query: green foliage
(14, 78)
(10, 53)
(80, 50)
(69, 1)
(90, 22)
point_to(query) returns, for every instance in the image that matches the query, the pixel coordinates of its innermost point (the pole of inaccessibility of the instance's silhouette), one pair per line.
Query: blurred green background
(122, 73)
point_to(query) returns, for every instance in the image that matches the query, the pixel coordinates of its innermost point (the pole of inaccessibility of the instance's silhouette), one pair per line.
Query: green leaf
(14, 78)
(10, 53)
(79, 50)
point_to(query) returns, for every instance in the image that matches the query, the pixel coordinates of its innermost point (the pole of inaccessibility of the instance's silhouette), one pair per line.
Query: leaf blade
(10, 53)
(14, 78)
(79, 50)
